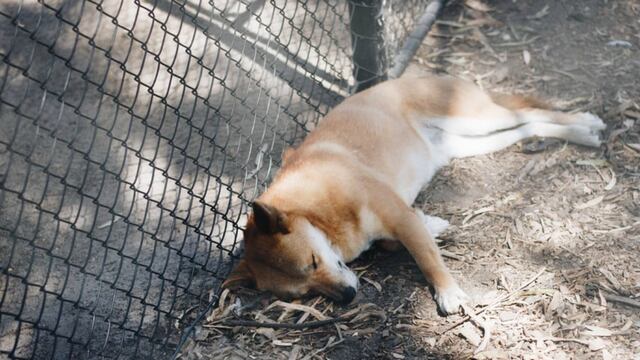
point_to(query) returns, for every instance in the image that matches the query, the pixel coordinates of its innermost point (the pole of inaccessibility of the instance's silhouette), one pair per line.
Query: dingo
(355, 177)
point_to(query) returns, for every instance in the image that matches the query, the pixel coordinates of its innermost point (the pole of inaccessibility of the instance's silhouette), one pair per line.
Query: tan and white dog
(355, 177)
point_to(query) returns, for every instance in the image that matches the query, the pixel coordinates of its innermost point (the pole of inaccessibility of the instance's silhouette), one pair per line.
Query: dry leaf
(476, 213)
(556, 301)
(299, 307)
(493, 355)
(477, 5)
(597, 344)
(431, 341)
(526, 56)
(470, 333)
(540, 338)
(597, 331)
(634, 146)
(366, 311)
(612, 279)
(620, 43)
(540, 14)
(632, 114)
(506, 316)
(612, 182)
(593, 202)
(266, 332)
(372, 282)
(487, 328)
(593, 162)
(108, 223)
(603, 300)
(277, 342)
(295, 352)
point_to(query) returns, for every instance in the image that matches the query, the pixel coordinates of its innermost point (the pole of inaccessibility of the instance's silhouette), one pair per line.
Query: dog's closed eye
(313, 266)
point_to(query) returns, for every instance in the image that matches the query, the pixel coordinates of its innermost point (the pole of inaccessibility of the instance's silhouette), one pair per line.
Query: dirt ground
(545, 236)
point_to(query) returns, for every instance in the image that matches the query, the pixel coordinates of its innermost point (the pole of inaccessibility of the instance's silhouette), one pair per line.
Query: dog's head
(288, 256)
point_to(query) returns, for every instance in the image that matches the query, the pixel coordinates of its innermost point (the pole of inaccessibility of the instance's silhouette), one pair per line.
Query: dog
(353, 181)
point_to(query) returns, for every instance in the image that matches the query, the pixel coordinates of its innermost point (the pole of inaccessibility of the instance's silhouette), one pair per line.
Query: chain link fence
(133, 135)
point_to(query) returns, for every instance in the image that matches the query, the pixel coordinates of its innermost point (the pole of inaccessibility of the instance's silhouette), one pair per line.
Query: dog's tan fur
(354, 179)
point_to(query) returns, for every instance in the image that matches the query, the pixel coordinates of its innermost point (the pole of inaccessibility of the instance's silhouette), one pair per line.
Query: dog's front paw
(450, 299)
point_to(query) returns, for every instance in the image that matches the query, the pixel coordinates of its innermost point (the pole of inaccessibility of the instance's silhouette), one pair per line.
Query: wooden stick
(307, 325)
(557, 339)
(485, 326)
(621, 300)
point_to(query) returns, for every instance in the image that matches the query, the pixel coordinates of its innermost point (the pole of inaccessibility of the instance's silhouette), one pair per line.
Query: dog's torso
(380, 137)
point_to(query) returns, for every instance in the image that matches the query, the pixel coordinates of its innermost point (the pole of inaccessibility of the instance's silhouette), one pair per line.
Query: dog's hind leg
(476, 113)
(455, 142)
(457, 146)
(495, 118)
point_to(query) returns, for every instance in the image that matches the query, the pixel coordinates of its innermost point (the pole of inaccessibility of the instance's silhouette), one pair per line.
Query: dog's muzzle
(346, 295)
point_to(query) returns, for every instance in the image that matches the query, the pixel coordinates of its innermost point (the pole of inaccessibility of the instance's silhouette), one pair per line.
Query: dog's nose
(347, 294)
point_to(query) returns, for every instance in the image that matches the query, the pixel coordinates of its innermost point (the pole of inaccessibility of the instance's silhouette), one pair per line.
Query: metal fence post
(415, 38)
(367, 42)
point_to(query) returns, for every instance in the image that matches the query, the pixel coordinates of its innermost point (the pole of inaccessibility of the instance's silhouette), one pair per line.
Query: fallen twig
(485, 340)
(518, 43)
(298, 307)
(557, 339)
(485, 326)
(450, 255)
(623, 228)
(307, 325)
(621, 300)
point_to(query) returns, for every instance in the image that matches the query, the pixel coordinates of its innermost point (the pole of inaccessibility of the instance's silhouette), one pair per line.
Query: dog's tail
(517, 102)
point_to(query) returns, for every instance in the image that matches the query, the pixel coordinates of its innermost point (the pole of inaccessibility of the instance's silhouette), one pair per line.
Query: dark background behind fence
(133, 134)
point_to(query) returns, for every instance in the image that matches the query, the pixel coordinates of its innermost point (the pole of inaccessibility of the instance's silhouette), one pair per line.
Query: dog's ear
(269, 220)
(241, 276)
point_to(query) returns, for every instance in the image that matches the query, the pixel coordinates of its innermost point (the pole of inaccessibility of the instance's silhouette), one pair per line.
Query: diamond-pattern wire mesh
(133, 134)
